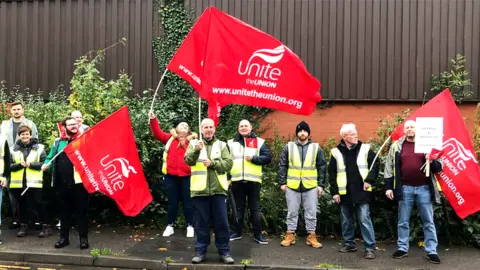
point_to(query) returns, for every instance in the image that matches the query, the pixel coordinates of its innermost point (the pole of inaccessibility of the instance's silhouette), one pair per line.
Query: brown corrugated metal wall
(368, 49)
(40, 40)
(382, 50)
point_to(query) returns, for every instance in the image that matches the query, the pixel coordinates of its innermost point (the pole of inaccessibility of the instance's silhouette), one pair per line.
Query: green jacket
(221, 166)
(56, 147)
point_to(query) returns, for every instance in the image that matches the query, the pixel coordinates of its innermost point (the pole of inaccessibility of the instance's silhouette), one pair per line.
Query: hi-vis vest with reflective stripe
(307, 174)
(34, 177)
(3, 141)
(243, 169)
(362, 163)
(165, 154)
(199, 178)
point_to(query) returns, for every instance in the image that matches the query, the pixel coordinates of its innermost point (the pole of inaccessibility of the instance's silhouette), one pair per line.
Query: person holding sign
(406, 182)
(26, 180)
(72, 195)
(249, 154)
(351, 176)
(210, 160)
(301, 176)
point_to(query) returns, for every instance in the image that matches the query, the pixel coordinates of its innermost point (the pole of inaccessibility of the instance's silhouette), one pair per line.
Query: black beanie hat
(302, 126)
(177, 122)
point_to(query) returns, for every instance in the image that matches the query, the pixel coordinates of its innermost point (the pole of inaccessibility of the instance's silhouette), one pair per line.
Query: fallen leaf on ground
(381, 249)
(162, 249)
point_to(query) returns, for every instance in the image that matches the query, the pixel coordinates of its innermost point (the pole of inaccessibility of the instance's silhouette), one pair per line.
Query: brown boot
(288, 240)
(312, 240)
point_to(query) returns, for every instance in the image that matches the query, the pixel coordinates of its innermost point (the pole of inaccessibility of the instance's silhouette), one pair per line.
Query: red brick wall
(327, 122)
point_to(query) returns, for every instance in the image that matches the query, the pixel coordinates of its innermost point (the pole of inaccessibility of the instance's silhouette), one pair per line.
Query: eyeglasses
(72, 125)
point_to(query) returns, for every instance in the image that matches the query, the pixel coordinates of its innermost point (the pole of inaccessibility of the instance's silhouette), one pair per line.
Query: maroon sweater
(411, 163)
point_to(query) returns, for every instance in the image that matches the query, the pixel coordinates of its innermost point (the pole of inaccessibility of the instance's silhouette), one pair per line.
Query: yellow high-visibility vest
(165, 154)
(306, 173)
(243, 169)
(34, 177)
(362, 164)
(199, 178)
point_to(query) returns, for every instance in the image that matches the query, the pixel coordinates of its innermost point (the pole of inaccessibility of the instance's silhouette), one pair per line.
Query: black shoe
(369, 255)
(14, 225)
(235, 236)
(260, 239)
(433, 258)
(227, 259)
(23, 230)
(62, 242)
(199, 258)
(399, 254)
(46, 231)
(346, 249)
(84, 243)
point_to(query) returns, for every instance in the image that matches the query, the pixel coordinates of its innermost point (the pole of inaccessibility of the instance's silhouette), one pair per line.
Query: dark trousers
(208, 210)
(178, 189)
(241, 190)
(73, 202)
(31, 205)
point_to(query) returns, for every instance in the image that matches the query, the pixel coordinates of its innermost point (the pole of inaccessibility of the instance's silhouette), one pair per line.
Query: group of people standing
(201, 172)
(22, 163)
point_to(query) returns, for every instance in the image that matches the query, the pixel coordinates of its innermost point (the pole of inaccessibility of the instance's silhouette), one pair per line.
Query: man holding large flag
(210, 160)
(73, 198)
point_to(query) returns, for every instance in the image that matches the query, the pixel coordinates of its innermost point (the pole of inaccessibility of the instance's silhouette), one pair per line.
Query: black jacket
(263, 158)
(355, 192)
(26, 149)
(321, 165)
(6, 161)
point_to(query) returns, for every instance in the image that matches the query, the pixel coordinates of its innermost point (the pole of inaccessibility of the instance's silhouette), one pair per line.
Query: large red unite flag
(460, 178)
(230, 62)
(107, 160)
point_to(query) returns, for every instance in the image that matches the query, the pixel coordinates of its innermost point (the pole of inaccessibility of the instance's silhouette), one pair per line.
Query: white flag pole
(378, 152)
(156, 90)
(199, 116)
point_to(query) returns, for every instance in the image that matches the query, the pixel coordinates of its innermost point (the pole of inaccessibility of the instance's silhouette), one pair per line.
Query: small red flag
(107, 160)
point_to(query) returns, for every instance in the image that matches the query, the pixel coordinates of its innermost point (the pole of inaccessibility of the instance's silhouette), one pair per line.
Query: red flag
(460, 178)
(435, 154)
(107, 160)
(61, 130)
(235, 63)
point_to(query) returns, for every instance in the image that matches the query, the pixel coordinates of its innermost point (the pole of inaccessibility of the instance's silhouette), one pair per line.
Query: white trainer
(190, 232)
(168, 231)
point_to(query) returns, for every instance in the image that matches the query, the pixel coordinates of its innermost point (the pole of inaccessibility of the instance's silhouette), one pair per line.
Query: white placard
(250, 152)
(429, 134)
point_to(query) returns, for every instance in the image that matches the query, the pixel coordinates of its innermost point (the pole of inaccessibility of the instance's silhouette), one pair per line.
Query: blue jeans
(178, 189)
(366, 226)
(208, 210)
(422, 197)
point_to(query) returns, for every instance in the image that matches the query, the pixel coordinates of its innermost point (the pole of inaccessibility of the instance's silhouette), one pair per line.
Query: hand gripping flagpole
(156, 90)
(48, 164)
(379, 150)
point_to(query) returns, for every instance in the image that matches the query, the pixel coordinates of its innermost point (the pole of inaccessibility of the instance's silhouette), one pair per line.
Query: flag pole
(156, 90)
(380, 150)
(200, 116)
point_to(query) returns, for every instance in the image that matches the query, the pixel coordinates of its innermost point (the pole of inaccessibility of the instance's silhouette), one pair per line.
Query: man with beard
(249, 154)
(72, 196)
(210, 161)
(351, 187)
(9, 130)
(301, 176)
(406, 182)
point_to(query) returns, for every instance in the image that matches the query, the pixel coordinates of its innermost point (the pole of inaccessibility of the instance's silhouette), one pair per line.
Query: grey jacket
(393, 180)
(10, 131)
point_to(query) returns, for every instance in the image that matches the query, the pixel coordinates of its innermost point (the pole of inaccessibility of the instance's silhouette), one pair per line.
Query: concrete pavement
(143, 248)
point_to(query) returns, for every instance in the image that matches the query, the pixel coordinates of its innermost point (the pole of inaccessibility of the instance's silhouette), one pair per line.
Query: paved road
(33, 266)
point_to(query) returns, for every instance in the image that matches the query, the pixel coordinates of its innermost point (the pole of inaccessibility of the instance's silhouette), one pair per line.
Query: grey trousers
(309, 199)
